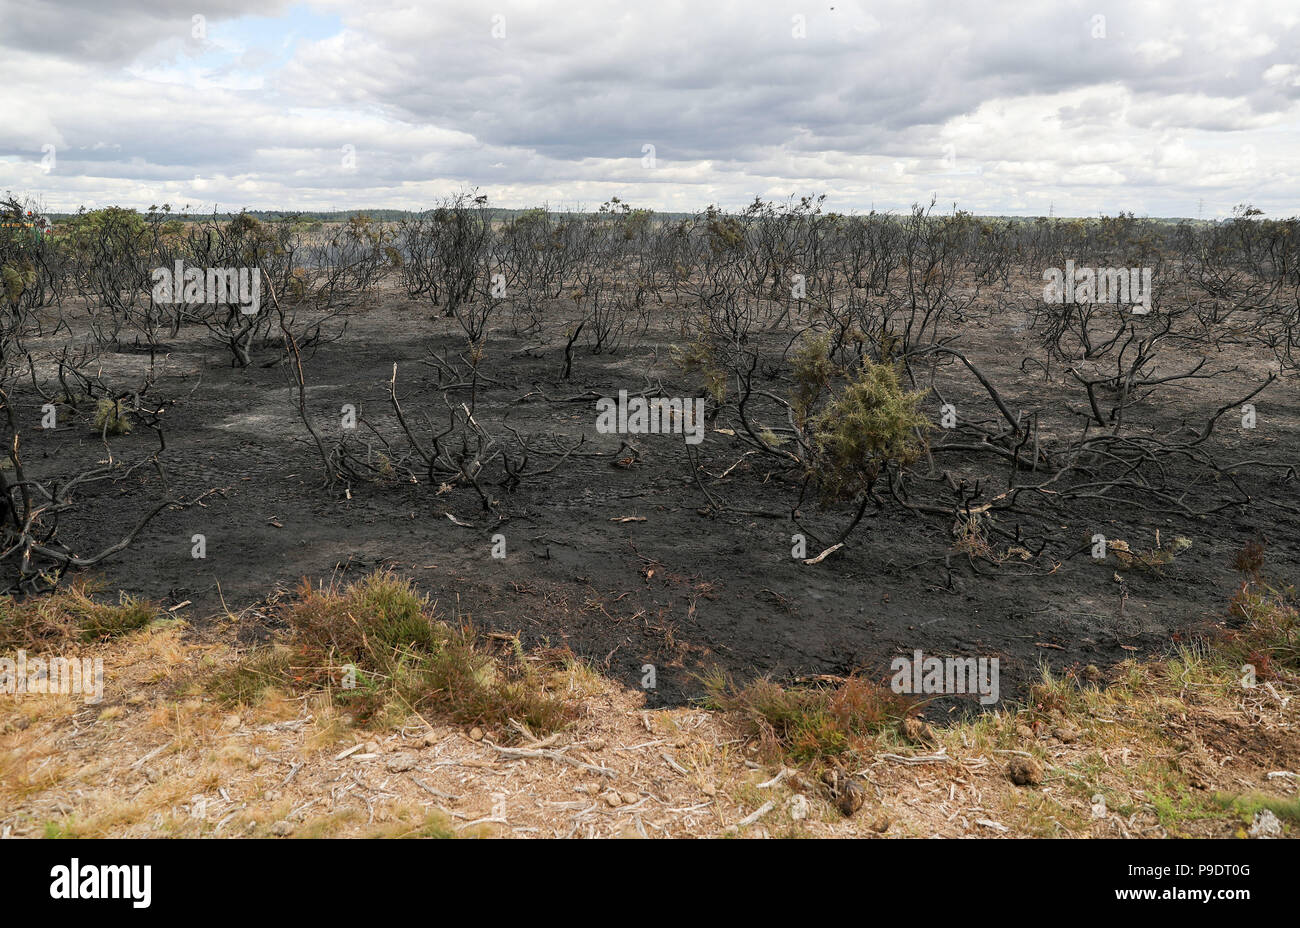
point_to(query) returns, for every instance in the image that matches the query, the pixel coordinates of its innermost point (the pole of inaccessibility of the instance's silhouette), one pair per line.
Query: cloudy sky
(1167, 109)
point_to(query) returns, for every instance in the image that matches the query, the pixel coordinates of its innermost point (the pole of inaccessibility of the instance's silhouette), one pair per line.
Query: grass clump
(245, 682)
(67, 616)
(377, 615)
(1263, 631)
(378, 649)
(1248, 805)
(813, 724)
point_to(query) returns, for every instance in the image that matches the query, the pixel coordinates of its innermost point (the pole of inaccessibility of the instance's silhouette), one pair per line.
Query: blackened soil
(683, 587)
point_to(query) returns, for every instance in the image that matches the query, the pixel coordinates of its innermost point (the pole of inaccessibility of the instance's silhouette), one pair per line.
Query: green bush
(872, 424)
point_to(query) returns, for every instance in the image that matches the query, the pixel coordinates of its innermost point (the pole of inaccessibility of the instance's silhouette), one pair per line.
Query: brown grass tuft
(812, 724)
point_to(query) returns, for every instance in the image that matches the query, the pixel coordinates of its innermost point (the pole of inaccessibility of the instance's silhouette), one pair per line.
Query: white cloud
(1002, 106)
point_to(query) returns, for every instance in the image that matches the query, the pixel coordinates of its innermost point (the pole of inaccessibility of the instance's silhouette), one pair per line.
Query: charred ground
(635, 550)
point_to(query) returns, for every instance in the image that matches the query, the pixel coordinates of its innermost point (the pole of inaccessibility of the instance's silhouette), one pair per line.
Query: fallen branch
(550, 755)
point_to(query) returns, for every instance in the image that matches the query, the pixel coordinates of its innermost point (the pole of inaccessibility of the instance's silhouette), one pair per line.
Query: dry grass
(378, 647)
(812, 725)
(196, 738)
(69, 616)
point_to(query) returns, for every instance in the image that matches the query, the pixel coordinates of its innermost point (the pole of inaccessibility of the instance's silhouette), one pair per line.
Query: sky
(1019, 108)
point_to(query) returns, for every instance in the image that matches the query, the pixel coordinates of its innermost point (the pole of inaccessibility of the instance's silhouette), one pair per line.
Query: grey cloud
(1023, 92)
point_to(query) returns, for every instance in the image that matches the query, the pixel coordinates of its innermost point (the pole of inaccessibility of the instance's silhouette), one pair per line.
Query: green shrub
(111, 418)
(872, 424)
